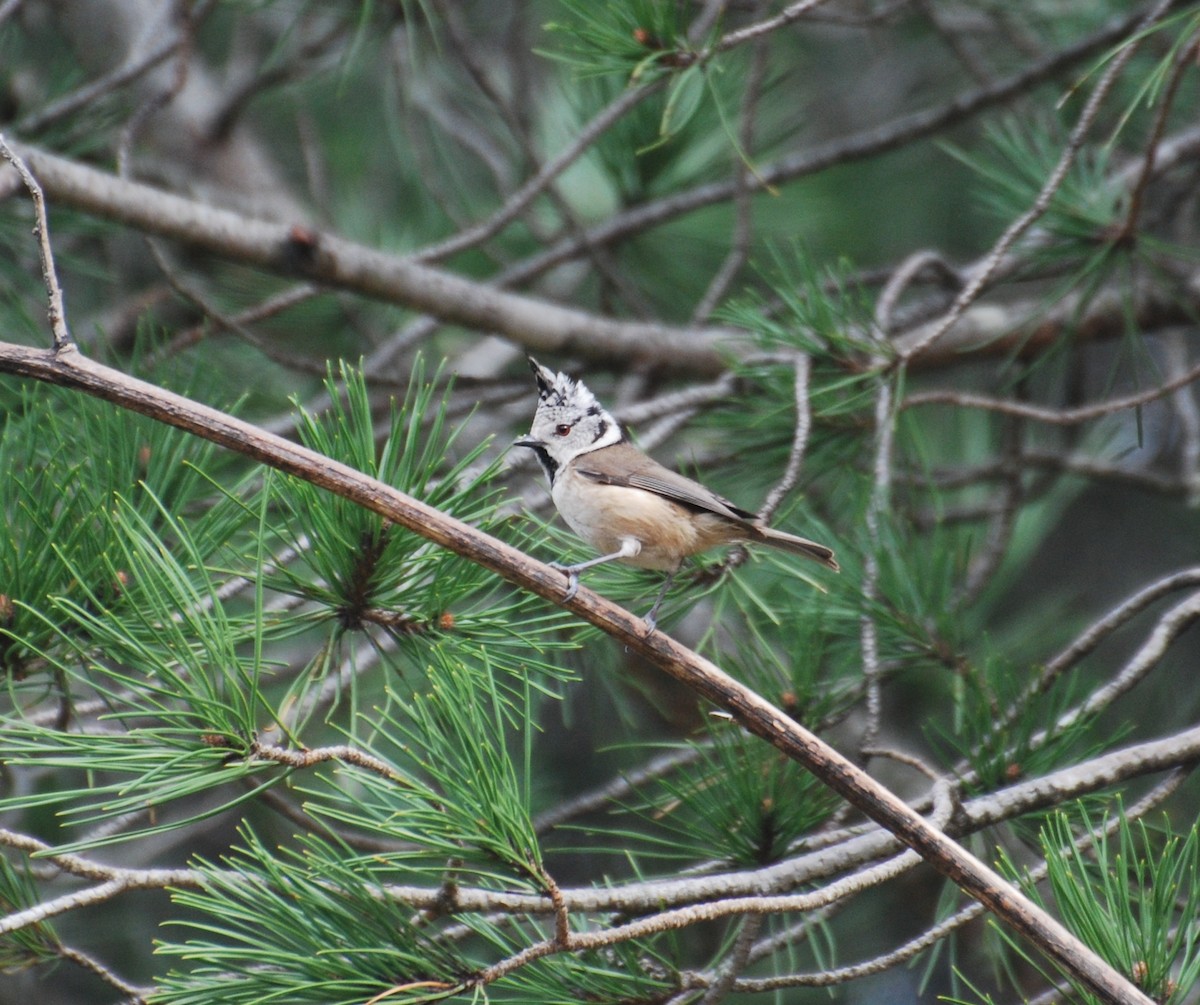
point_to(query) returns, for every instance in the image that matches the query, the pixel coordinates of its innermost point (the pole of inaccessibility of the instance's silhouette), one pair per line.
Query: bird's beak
(527, 441)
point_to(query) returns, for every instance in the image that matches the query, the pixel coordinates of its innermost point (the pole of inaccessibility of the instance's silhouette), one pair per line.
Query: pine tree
(295, 708)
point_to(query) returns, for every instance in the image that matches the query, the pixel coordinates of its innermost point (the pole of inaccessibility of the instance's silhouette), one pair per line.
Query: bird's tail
(797, 545)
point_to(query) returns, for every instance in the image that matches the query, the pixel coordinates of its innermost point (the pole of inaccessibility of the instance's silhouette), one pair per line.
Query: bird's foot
(652, 618)
(572, 579)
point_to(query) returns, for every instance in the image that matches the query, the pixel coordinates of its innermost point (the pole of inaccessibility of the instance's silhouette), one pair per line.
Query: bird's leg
(630, 546)
(652, 617)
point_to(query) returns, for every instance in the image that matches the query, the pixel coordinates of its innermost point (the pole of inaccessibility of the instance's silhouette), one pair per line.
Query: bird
(622, 502)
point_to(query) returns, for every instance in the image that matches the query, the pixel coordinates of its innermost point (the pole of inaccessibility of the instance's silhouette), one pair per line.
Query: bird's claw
(572, 579)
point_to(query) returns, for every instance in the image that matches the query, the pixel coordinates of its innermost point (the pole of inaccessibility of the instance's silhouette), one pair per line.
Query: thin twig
(1184, 61)
(987, 559)
(612, 792)
(275, 304)
(1177, 620)
(914, 947)
(516, 203)
(562, 917)
(343, 753)
(735, 962)
(954, 41)
(135, 994)
(802, 428)
(981, 276)
(466, 52)
(308, 54)
(1054, 416)
(1166, 630)
(903, 276)
(56, 313)
(870, 142)
(124, 74)
(878, 505)
(1183, 403)
(739, 245)
(789, 15)
(1091, 639)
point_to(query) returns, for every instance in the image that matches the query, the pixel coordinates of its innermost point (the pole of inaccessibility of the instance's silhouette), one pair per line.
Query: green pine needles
(1129, 889)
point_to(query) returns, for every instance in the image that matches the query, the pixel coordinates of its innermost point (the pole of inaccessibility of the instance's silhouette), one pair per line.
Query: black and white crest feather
(569, 421)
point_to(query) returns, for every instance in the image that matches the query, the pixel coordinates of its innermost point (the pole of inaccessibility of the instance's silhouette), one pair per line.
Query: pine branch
(186, 635)
(70, 369)
(870, 142)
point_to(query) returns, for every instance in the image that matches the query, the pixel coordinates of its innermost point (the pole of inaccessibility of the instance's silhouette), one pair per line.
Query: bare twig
(57, 315)
(1055, 416)
(1148, 656)
(955, 42)
(791, 473)
(134, 994)
(308, 54)
(999, 533)
(127, 72)
(268, 308)
(736, 962)
(789, 15)
(877, 507)
(903, 276)
(739, 246)
(516, 203)
(467, 53)
(619, 788)
(1183, 403)
(1184, 61)
(981, 276)
(343, 753)
(1025, 329)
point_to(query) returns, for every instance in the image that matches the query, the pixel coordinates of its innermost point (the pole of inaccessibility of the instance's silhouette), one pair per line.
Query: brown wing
(624, 464)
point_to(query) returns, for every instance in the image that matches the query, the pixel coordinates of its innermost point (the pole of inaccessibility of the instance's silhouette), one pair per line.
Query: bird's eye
(562, 429)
